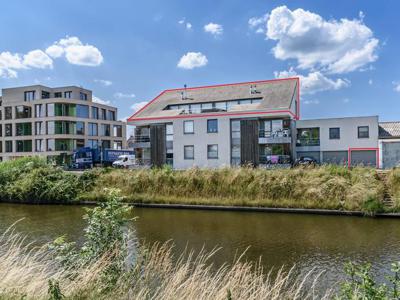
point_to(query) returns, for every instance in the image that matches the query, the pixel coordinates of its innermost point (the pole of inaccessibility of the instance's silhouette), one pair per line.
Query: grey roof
(389, 130)
(275, 94)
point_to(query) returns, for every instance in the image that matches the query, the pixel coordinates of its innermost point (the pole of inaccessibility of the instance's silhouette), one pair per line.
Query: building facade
(53, 122)
(389, 144)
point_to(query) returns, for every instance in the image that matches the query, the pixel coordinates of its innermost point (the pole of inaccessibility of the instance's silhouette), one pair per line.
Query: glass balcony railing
(141, 138)
(274, 134)
(307, 142)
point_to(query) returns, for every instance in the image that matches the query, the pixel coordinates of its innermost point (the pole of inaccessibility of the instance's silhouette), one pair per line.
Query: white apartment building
(53, 122)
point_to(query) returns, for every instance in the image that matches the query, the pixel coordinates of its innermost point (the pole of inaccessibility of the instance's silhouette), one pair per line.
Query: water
(307, 241)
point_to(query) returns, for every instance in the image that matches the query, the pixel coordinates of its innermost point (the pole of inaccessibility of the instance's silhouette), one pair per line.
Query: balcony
(274, 137)
(141, 141)
(307, 142)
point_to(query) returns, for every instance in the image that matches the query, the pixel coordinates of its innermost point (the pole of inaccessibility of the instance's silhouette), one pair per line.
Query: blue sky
(346, 52)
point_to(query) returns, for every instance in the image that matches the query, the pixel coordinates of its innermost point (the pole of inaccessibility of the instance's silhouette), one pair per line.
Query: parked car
(125, 161)
(305, 161)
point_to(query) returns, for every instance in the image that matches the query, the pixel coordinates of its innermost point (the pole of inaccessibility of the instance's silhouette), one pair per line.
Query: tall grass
(393, 182)
(329, 187)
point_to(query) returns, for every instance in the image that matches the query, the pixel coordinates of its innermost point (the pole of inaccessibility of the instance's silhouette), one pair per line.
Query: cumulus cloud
(192, 60)
(123, 95)
(37, 59)
(186, 24)
(334, 46)
(315, 81)
(214, 29)
(76, 52)
(103, 82)
(137, 106)
(258, 24)
(101, 101)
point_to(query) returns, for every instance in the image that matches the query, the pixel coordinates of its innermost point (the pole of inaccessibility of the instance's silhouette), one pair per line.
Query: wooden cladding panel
(249, 150)
(158, 145)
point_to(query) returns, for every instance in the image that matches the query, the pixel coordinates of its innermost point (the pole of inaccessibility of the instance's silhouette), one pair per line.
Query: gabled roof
(276, 95)
(389, 130)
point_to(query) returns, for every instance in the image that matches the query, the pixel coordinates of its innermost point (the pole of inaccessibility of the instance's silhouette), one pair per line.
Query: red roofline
(296, 116)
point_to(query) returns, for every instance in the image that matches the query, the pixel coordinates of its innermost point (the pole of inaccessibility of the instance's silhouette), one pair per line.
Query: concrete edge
(332, 212)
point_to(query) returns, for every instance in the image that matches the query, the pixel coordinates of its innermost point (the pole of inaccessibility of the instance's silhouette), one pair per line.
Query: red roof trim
(296, 116)
(363, 149)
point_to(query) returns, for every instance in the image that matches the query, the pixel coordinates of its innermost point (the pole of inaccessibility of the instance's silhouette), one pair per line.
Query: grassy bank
(326, 187)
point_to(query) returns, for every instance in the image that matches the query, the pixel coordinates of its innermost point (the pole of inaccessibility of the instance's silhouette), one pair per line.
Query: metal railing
(307, 142)
(274, 134)
(141, 138)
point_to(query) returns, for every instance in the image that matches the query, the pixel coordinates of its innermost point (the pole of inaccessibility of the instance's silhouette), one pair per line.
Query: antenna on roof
(183, 93)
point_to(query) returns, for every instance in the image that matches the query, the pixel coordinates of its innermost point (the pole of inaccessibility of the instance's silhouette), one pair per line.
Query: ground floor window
(117, 145)
(274, 153)
(212, 151)
(9, 146)
(24, 146)
(188, 152)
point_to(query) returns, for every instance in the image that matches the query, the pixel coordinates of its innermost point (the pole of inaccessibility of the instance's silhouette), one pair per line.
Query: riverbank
(31, 180)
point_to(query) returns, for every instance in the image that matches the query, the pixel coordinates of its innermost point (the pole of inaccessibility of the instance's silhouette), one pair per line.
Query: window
(212, 151)
(7, 112)
(308, 137)
(212, 126)
(82, 111)
(105, 129)
(22, 129)
(80, 128)
(8, 130)
(105, 144)
(235, 142)
(39, 128)
(24, 146)
(363, 132)
(29, 96)
(23, 112)
(40, 111)
(117, 145)
(50, 127)
(68, 95)
(334, 133)
(45, 95)
(111, 115)
(50, 145)
(57, 95)
(117, 131)
(188, 127)
(93, 144)
(82, 96)
(39, 146)
(50, 110)
(95, 113)
(92, 129)
(9, 146)
(188, 152)
(80, 144)
(1, 131)
(103, 114)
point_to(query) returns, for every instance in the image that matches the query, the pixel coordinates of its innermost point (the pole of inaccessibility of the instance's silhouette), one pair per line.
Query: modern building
(389, 144)
(53, 122)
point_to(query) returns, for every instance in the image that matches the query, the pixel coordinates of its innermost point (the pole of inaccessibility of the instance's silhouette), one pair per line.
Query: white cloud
(181, 21)
(37, 59)
(370, 82)
(137, 106)
(308, 102)
(192, 60)
(101, 101)
(396, 86)
(123, 95)
(187, 25)
(9, 63)
(55, 51)
(333, 46)
(103, 82)
(214, 29)
(315, 81)
(258, 24)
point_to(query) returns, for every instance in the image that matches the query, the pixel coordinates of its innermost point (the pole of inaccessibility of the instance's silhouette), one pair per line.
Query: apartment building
(53, 122)
(220, 125)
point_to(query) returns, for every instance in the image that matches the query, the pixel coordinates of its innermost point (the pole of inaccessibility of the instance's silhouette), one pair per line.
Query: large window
(235, 142)
(39, 145)
(93, 129)
(22, 129)
(45, 95)
(8, 130)
(212, 126)
(95, 112)
(83, 96)
(308, 137)
(23, 112)
(68, 94)
(212, 151)
(82, 111)
(93, 144)
(29, 96)
(103, 115)
(363, 132)
(105, 144)
(105, 130)
(60, 145)
(24, 146)
(40, 110)
(111, 115)
(188, 152)
(57, 95)
(188, 127)
(80, 128)
(7, 112)
(117, 145)
(334, 133)
(39, 128)
(9, 146)
(117, 130)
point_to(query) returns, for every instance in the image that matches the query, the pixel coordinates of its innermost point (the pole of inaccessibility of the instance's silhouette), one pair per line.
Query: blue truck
(86, 157)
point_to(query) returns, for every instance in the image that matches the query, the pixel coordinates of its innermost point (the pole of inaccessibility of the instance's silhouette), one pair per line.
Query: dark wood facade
(158, 145)
(249, 150)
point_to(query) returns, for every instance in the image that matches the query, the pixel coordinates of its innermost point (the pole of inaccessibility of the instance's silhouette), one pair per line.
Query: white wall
(200, 139)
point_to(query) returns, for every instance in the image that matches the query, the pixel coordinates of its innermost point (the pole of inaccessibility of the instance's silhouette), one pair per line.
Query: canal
(322, 243)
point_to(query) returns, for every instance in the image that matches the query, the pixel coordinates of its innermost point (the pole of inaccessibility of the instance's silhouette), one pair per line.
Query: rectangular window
(111, 115)
(57, 95)
(40, 111)
(82, 96)
(45, 95)
(82, 111)
(29, 96)
(8, 130)
(105, 130)
(80, 144)
(92, 129)
(105, 144)
(212, 126)
(68, 95)
(117, 130)
(188, 152)
(80, 128)
(39, 146)
(363, 132)
(22, 129)
(188, 127)
(212, 151)
(334, 133)
(8, 113)
(50, 110)
(1, 130)
(39, 128)
(23, 112)
(103, 114)
(93, 144)
(51, 144)
(117, 145)
(9, 146)
(95, 113)
(24, 146)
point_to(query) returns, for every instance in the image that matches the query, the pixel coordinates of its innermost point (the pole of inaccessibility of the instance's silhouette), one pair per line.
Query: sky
(346, 53)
